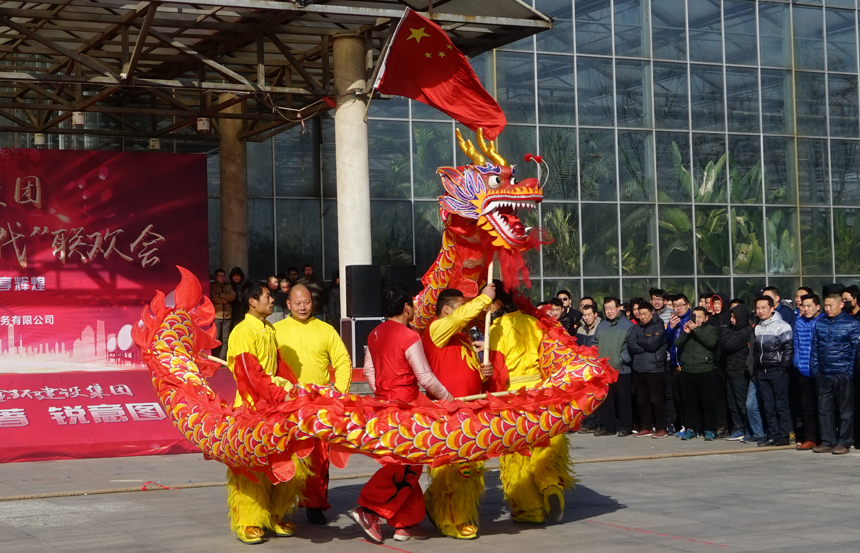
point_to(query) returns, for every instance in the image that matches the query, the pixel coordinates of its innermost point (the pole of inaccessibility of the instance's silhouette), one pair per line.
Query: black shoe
(767, 443)
(722, 432)
(316, 516)
(781, 442)
(601, 432)
(623, 434)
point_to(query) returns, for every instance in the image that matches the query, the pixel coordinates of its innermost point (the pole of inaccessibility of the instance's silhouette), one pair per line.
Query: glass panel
(775, 29)
(745, 169)
(391, 232)
(779, 172)
(740, 25)
(296, 170)
(556, 94)
(844, 167)
(428, 235)
(484, 67)
(593, 27)
(843, 3)
(631, 28)
(213, 174)
(686, 286)
(594, 79)
(390, 174)
(558, 148)
(396, 106)
(670, 34)
(597, 164)
(776, 102)
(841, 41)
(328, 161)
(259, 163)
(515, 143)
(706, 40)
(782, 242)
(706, 97)
(747, 241)
(330, 236)
(638, 240)
(637, 288)
(515, 81)
(551, 288)
(676, 240)
(261, 238)
(636, 165)
(808, 38)
(815, 246)
(673, 167)
(846, 226)
(812, 171)
(842, 90)
(742, 99)
(632, 93)
(214, 211)
(600, 239)
(560, 37)
(747, 289)
(811, 101)
(713, 286)
(299, 233)
(709, 161)
(712, 240)
(670, 96)
(601, 288)
(432, 147)
(561, 258)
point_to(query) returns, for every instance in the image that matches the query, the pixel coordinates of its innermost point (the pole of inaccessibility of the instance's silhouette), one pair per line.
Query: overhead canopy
(151, 69)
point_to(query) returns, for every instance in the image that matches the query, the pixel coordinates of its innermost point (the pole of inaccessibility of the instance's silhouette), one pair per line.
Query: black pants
(649, 397)
(698, 390)
(674, 405)
(808, 410)
(736, 396)
(836, 395)
(616, 411)
(720, 405)
(772, 389)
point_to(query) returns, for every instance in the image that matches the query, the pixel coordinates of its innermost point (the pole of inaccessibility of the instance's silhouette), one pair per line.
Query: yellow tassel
(452, 499)
(528, 482)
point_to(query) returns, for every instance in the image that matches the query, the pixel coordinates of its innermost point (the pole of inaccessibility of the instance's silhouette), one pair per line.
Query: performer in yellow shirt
(309, 346)
(533, 485)
(252, 357)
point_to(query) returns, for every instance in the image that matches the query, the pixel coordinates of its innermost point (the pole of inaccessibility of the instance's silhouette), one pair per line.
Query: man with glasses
(677, 320)
(570, 317)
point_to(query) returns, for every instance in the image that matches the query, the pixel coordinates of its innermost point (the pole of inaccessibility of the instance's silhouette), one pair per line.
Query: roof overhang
(151, 69)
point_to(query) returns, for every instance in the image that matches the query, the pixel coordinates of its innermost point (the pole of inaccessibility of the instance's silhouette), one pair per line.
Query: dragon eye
(494, 181)
(513, 181)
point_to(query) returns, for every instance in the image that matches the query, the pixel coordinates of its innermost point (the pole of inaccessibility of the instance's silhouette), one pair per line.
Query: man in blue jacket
(784, 311)
(804, 326)
(833, 359)
(675, 328)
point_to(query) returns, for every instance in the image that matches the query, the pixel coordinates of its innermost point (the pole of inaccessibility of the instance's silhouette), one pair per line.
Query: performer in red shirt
(455, 490)
(394, 367)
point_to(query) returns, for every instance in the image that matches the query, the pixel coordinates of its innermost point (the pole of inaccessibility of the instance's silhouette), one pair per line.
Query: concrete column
(353, 176)
(234, 190)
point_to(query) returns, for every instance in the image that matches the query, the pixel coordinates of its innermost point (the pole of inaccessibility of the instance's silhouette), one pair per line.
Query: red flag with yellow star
(421, 63)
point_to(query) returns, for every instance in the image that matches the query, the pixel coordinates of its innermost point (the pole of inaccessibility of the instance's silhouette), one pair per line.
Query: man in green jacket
(698, 385)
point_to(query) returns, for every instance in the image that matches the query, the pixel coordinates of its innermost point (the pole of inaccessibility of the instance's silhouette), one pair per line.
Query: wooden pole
(487, 320)
(217, 360)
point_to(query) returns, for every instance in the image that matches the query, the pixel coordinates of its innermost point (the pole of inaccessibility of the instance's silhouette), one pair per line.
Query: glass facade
(693, 144)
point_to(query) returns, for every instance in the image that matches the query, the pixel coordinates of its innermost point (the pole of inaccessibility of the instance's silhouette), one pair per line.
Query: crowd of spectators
(759, 374)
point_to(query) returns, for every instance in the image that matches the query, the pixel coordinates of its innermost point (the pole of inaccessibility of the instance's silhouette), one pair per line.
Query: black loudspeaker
(363, 291)
(354, 333)
(404, 275)
(828, 289)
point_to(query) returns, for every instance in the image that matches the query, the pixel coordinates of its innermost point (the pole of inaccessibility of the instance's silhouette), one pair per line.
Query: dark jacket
(773, 347)
(672, 335)
(647, 346)
(724, 318)
(787, 314)
(699, 348)
(585, 335)
(611, 341)
(570, 320)
(834, 345)
(802, 338)
(735, 342)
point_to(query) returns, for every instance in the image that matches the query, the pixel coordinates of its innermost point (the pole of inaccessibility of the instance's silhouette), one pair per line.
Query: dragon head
(485, 194)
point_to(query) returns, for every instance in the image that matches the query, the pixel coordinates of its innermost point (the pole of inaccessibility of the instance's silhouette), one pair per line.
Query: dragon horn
(489, 149)
(469, 149)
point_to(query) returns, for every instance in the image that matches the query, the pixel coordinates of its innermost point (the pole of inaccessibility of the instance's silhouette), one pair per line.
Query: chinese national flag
(422, 64)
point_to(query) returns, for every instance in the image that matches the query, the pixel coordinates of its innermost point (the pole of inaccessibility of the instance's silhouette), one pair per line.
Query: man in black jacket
(646, 343)
(570, 317)
(735, 348)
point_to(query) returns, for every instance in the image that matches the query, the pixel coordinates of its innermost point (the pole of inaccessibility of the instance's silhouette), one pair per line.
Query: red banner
(85, 240)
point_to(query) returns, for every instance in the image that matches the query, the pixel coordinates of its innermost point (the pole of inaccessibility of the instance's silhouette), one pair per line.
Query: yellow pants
(528, 482)
(453, 496)
(263, 504)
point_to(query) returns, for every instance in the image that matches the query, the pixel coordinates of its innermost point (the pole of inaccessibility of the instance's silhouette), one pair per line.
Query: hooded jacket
(724, 318)
(773, 348)
(735, 342)
(802, 338)
(698, 349)
(611, 341)
(834, 345)
(647, 345)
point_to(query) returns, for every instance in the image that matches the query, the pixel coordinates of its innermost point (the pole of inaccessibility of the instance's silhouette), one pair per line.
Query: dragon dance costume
(254, 501)
(308, 347)
(533, 485)
(455, 490)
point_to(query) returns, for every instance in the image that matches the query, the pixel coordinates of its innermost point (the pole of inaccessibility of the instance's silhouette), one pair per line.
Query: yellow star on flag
(450, 47)
(417, 34)
(441, 54)
(427, 54)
